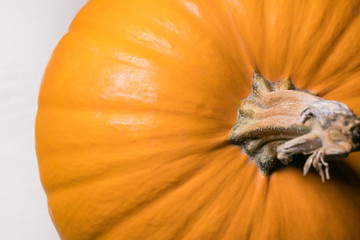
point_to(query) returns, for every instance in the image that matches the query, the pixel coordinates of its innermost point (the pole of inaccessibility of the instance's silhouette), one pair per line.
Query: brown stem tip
(278, 121)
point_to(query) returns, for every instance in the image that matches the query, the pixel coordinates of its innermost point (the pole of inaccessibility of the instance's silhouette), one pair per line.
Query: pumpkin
(139, 97)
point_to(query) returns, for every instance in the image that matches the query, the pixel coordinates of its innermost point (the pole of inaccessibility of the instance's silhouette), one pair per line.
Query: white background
(29, 31)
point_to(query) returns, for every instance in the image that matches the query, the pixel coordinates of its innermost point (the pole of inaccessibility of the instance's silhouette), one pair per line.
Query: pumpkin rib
(141, 205)
(252, 209)
(298, 196)
(315, 20)
(247, 49)
(210, 170)
(202, 208)
(252, 230)
(327, 89)
(241, 62)
(137, 209)
(55, 146)
(199, 31)
(248, 65)
(273, 21)
(137, 206)
(350, 88)
(336, 41)
(209, 114)
(203, 114)
(142, 108)
(331, 47)
(114, 170)
(231, 213)
(339, 73)
(198, 216)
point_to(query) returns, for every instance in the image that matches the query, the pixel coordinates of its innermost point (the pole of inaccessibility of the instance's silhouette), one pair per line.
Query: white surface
(29, 31)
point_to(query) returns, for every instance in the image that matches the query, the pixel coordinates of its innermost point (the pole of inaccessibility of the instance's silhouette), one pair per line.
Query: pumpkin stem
(278, 121)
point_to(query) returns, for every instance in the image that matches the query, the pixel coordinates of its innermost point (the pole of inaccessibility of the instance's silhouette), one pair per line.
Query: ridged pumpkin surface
(139, 97)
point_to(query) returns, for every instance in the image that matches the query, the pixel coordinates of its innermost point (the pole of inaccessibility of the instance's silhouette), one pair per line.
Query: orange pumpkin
(137, 101)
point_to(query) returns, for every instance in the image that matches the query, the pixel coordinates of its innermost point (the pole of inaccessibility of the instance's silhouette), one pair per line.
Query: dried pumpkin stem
(278, 121)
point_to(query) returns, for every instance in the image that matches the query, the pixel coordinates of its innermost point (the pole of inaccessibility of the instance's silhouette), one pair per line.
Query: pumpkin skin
(137, 101)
